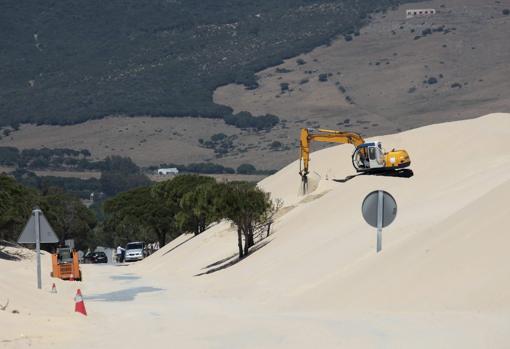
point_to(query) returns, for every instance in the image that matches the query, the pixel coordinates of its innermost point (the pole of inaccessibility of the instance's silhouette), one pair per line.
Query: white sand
(441, 281)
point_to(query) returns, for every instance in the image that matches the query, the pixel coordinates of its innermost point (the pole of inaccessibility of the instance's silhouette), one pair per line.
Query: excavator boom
(321, 135)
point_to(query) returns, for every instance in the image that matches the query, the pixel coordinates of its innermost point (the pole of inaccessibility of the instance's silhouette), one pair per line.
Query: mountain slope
(379, 83)
(65, 63)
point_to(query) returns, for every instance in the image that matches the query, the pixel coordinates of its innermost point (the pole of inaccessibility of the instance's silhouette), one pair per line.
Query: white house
(420, 12)
(168, 171)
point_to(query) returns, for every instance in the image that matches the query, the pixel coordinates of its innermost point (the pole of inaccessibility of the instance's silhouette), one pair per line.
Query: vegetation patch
(159, 58)
(220, 143)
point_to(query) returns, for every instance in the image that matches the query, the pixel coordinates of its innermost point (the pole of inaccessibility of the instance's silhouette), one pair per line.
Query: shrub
(246, 169)
(284, 86)
(9, 156)
(432, 80)
(300, 61)
(218, 137)
(426, 32)
(246, 120)
(275, 145)
(323, 77)
(506, 12)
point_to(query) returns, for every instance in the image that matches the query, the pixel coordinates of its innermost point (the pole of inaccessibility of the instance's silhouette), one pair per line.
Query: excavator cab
(371, 157)
(368, 156)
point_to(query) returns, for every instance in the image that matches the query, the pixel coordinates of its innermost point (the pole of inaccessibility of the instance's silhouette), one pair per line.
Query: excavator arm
(320, 135)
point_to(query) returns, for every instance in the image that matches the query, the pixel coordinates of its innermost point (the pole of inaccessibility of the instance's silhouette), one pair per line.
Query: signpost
(379, 209)
(37, 230)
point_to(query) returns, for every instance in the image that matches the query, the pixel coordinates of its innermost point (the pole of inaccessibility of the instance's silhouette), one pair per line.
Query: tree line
(54, 159)
(79, 160)
(66, 214)
(189, 203)
(118, 174)
(156, 212)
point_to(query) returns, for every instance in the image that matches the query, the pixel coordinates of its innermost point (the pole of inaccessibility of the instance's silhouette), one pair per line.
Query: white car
(134, 251)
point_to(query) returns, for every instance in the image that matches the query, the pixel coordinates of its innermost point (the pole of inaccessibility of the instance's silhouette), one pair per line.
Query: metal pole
(380, 204)
(38, 246)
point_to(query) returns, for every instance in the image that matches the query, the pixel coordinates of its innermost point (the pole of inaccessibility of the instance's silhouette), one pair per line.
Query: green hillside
(64, 62)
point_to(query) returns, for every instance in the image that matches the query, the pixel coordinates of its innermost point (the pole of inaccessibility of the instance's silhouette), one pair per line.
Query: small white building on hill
(410, 13)
(168, 171)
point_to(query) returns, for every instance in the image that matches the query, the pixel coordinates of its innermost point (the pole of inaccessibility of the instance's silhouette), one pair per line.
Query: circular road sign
(370, 208)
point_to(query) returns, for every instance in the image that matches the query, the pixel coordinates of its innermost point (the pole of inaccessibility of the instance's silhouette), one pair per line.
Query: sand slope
(441, 281)
(456, 195)
(445, 253)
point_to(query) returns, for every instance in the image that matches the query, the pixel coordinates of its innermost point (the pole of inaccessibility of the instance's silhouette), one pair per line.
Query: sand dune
(441, 281)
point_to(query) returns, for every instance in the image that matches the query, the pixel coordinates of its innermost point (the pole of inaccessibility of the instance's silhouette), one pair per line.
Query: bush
(218, 137)
(275, 145)
(300, 61)
(9, 156)
(246, 120)
(426, 32)
(432, 80)
(246, 169)
(506, 12)
(323, 77)
(284, 86)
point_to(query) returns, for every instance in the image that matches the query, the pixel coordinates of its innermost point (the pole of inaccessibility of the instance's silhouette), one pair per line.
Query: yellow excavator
(367, 157)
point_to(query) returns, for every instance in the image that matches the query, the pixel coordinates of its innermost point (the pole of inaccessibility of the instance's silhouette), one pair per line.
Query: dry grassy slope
(377, 69)
(150, 141)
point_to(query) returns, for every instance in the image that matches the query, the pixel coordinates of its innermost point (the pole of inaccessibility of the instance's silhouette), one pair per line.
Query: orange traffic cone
(71, 278)
(79, 306)
(53, 288)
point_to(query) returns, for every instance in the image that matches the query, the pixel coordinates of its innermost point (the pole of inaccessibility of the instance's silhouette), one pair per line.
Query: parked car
(96, 257)
(135, 251)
